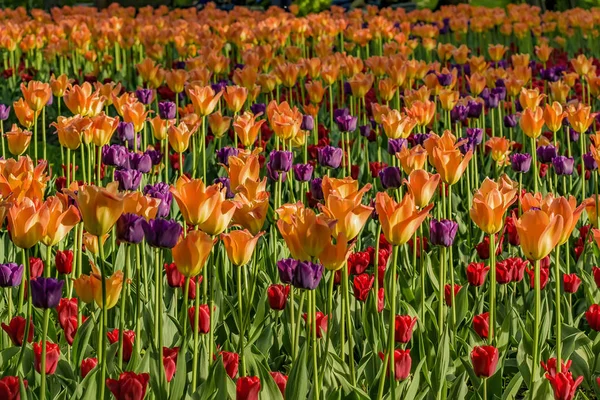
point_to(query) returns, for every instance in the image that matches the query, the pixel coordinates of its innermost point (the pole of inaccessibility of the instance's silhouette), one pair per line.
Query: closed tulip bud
(277, 296)
(402, 364)
(129, 386)
(303, 172)
(363, 284)
(329, 156)
(170, 361)
(46, 292)
(191, 253)
(476, 273)
(571, 283)
(546, 153)
(520, 162)
(247, 388)
(11, 275)
(87, 364)
(307, 275)
(448, 293)
(563, 385)
(481, 325)
(484, 360)
(592, 315)
(64, 261)
(442, 232)
(287, 269)
(18, 140)
(100, 208)
(404, 326)
(140, 162)
(203, 318)
(563, 166)
(230, 363)
(240, 245)
(544, 276)
(115, 156)
(129, 228)
(128, 340)
(16, 330)
(166, 110)
(280, 380)
(390, 178)
(179, 136)
(52, 357)
(162, 233)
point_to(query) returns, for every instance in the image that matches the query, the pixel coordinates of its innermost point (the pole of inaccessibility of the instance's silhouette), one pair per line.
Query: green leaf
(297, 387)
(440, 368)
(81, 340)
(510, 392)
(180, 378)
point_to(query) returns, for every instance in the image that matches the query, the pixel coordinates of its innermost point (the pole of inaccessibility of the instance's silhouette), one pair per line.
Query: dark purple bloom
(129, 228)
(4, 112)
(219, 86)
(303, 172)
(492, 101)
(223, 180)
(140, 162)
(46, 292)
(563, 165)
(162, 233)
(546, 153)
(287, 269)
(161, 191)
(476, 134)
(390, 178)
(308, 123)
(11, 275)
(145, 96)
(459, 113)
(307, 275)
(520, 162)
(224, 153)
(316, 189)
(166, 110)
(395, 145)
(135, 143)
(442, 232)
(258, 108)
(155, 156)
(573, 134)
(500, 92)
(420, 138)
(115, 156)
(510, 121)
(589, 162)
(365, 130)
(329, 156)
(444, 79)
(275, 175)
(129, 179)
(281, 161)
(125, 131)
(346, 123)
(474, 109)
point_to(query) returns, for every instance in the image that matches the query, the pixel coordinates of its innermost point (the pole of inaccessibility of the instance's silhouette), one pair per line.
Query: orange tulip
(137, 203)
(568, 210)
(345, 188)
(530, 98)
(160, 127)
(176, 79)
(179, 136)
(539, 233)
(559, 91)
(191, 252)
(253, 205)
(147, 70)
(24, 113)
(350, 214)
(27, 222)
(334, 256)
(395, 125)
(422, 186)
(100, 207)
(108, 91)
(315, 91)
(412, 159)
(399, 221)
(102, 129)
(582, 65)
(81, 100)
(18, 140)
(496, 51)
(553, 116)
(219, 124)
(532, 122)
(113, 286)
(195, 200)
(240, 245)
(242, 169)
(83, 288)
(135, 114)
(499, 149)
(36, 94)
(448, 98)
(361, 84)
(543, 52)
(490, 203)
(422, 111)
(477, 83)
(204, 99)
(580, 117)
(59, 85)
(235, 97)
(450, 164)
(305, 233)
(61, 220)
(246, 127)
(90, 242)
(20, 179)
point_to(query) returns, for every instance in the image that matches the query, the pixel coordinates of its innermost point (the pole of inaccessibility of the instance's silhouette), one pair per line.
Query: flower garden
(366, 204)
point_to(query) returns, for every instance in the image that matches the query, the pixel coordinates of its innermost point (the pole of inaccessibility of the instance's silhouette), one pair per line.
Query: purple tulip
(308, 123)
(395, 145)
(316, 189)
(520, 162)
(162, 233)
(563, 165)
(129, 179)
(287, 269)
(303, 172)
(258, 108)
(155, 156)
(140, 162)
(346, 123)
(125, 131)
(510, 121)
(390, 178)
(420, 138)
(442, 232)
(275, 175)
(223, 180)
(589, 162)
(145, 96)
(329, 156)
(4, 112)
(445, 79)
(365, 130)
(546, 153)
(46, 292)
(11, 275)
(129, 228)
(475, 109)
(459, 113)
(161, 191)
(115, 156)
(307, 275)
(224, 153)
(167, 110)
(281, 161)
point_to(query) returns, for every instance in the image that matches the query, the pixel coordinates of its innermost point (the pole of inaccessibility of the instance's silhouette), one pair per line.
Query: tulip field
(364, 204)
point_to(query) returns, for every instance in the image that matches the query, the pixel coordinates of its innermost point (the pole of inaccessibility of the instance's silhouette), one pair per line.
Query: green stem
(558, 310)
(312, 295)
(44, 350)
(241, 318)
(102, 342)
(123, 306)
(392, 323)
(492, 322)
(535, 166)
(346, 292)
(537, 321)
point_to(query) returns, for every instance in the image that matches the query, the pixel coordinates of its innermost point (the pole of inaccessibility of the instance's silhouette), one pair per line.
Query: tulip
(247, 388)
(247, 128)
(235, 97)
(442, 232)
(476, 273)
(87, 365)
(179, 136)
(24, 113)
(481, 325)
(170, 361)
(520, 162)
(402, 364)
(544, 276)
(28, 222)
(450, 292)
(203, 318)
(11, 275)
(230, 363)
(490, 204)
(36, 94)
(287, 269)
(61, 220)
(307, 275)
(563, 165)
(404, 328)
(563, 385)
(219, 124)
(362, 286)
(162, 233)
(240, 245)
(16, 330)
(334, 256)
(115, 156)
(128, 340)
(571, 283)
(484, 360)
(321, 323)
(580, 117)
(52, 357)
(113, 284)
(18, 140)
(539, 233)
(280, 380)
(390, 178)
(350, 214)
(100, 208)
(10, 387)
(329, 156)
(277, 296)
(399, 221)
(592, 315)
(305, 233)
(130, 228)
(129, 386)
(102, 129)
(303, 172)
(46, 292)
(191, 252)
(532, 122)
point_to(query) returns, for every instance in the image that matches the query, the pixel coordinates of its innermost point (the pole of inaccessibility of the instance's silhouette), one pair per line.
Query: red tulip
(52, 356)
(128, 339)
(174, 277)
(36, 267)
(419, 239)
(16, 330)
(280, 380)
(129, 386)
(380, 300)
(321, 323)
(277, 296)
(481, 324)
(511, 231)
(230, 362)
(483, 248)
(592, 315)
(484, 360)
(544, 275)
(550, 366)
(10, 388)
(358, 262)
(504, 272)
(563, 385)
(203, 318)
(476, 273)
(170, 361)
(448, 293)
(64, 261)
(66, 308)
(247, 388)
(362, 286)
(596, 272)
(402, 364)
(544, 262)
(87, 365)
(571, 283)
(404, 328)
